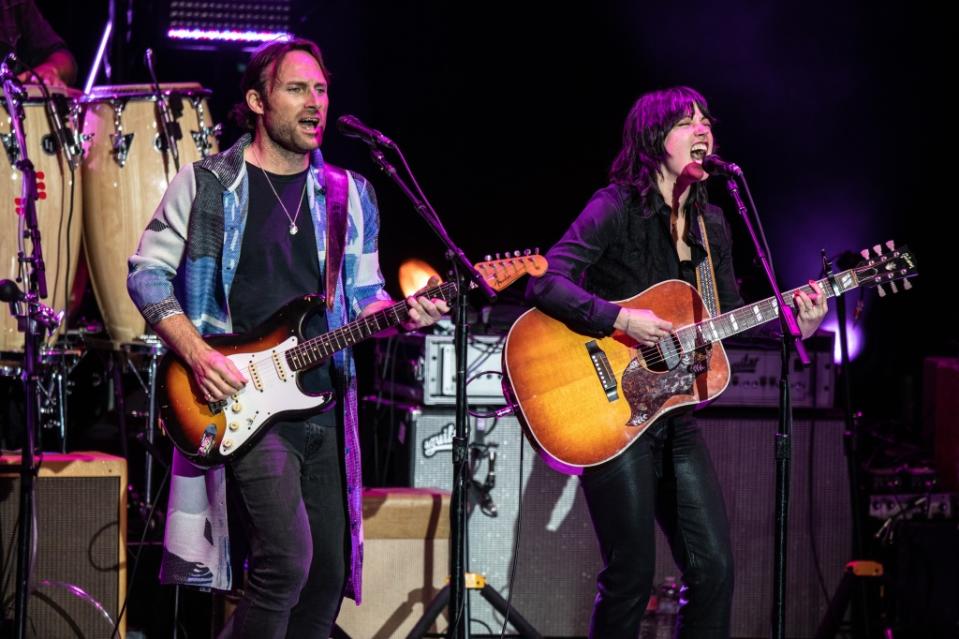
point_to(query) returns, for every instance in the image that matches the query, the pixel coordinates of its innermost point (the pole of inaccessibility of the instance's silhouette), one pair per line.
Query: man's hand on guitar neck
(216, 376)
(642, 325)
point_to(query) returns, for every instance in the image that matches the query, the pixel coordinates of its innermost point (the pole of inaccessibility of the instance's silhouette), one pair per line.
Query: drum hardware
(125, 180)
(168, 121)
(148, 350)
(201, 138)
(10, 146)
(51, 164)
(121, 142)
(58, 362)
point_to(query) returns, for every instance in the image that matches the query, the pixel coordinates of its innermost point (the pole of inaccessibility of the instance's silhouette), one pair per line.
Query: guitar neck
(752, 315)
(312, 352)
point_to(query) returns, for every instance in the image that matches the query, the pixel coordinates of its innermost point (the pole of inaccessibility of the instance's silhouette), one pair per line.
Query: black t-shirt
(23, 29)
(275, 266)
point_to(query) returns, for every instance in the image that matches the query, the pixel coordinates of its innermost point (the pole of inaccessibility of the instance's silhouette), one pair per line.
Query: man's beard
(284, 135)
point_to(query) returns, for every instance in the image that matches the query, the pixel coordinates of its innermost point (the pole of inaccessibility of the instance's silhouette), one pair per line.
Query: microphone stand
(34, 321)
(792, 337)
(465, 274)
(171, 128)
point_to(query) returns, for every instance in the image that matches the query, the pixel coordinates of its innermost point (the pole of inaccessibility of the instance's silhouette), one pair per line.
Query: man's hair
(260, 75)
(644, 137)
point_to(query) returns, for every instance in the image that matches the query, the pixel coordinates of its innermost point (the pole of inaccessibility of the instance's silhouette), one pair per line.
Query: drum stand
(58, 363)
(140, 358)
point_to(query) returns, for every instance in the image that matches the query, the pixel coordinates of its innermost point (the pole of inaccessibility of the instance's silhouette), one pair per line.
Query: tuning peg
(877, 249)
(487, 257)
(526, 252)
(880, 290)
(893, 287)
(498, 256)
(906, 285)
(864, 253)
(891, 245)
(516, 253)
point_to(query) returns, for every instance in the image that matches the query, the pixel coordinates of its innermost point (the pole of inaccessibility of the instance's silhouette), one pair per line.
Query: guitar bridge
(603, 370)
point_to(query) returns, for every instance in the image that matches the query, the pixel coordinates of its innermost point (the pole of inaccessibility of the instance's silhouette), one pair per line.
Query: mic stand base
(473, 581)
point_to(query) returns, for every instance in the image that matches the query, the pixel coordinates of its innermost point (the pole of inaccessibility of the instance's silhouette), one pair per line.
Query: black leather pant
(666, 474)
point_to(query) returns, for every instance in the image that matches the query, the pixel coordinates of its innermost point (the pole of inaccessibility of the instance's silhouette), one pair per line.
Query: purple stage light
(853, 334)
(216, 23)
(227, 36)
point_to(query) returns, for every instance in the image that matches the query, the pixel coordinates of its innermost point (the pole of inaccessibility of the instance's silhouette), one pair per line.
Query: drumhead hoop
(144, 91)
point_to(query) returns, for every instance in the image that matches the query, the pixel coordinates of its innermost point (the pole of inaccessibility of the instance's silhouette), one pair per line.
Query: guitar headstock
(886, 267)
(503, 271)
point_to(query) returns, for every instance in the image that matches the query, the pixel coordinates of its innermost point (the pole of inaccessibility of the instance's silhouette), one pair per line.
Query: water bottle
(647, 628)
(667, 608)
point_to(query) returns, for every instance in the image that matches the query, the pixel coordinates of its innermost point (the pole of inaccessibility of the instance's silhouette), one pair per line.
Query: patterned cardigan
(185, 264)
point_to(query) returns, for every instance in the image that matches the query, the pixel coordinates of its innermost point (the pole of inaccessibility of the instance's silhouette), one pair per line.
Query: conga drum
(59, 215)
(126, 170)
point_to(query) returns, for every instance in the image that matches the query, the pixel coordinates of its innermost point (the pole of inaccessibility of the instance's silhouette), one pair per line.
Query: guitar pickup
(603, 370)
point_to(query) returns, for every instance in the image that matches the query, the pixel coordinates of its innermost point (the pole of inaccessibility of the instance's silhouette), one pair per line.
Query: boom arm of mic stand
(433, 221)
(787, 318)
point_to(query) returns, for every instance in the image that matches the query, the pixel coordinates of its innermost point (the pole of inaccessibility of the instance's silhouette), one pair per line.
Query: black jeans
(667, 475)
(289, 491)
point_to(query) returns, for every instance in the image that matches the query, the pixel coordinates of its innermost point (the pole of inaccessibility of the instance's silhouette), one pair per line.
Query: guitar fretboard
(311, 352)
(751, 315)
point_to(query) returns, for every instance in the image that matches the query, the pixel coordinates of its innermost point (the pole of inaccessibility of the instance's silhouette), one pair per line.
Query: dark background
(510, 117)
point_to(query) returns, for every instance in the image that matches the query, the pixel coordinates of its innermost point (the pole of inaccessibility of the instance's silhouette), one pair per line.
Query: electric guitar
(583, 401)
(271, 357)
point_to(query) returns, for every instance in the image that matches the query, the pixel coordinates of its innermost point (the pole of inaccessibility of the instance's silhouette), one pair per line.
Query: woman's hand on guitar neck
(642, 325)
(812, 309)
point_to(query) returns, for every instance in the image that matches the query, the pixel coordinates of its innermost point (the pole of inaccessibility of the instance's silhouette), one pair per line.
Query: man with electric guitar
(236, 237)
(651, 225)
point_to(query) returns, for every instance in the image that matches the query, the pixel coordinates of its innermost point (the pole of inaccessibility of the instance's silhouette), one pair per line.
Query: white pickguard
(271, 389)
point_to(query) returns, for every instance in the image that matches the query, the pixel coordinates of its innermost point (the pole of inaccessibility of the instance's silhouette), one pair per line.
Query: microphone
(7, 74)
(10, 292)
(715, 165)
(56, 105)
(352, 127)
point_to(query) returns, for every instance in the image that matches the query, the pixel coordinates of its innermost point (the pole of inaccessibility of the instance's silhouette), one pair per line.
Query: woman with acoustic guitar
(653, 223)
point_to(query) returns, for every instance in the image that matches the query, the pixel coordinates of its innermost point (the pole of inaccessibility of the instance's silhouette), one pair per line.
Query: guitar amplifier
(754, 374)
(421, 369)
(558, 557)
(556, 553)
(79, 571)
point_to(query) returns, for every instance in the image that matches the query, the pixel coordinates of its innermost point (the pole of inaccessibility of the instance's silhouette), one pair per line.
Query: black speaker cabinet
(79, 573)
(558, 557)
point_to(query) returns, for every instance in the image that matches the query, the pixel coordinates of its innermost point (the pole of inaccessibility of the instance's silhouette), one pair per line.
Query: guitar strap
(706, 276)
(337, 197)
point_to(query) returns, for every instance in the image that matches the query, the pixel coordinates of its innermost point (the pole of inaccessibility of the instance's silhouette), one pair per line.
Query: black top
(276, 267)
(619, 246)
(23, 29)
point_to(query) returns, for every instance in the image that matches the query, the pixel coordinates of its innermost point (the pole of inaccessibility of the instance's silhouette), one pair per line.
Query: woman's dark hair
(644, 138)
